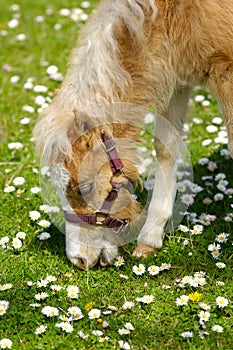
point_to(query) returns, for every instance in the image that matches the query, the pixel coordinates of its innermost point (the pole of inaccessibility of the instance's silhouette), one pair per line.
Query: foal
(132, 55)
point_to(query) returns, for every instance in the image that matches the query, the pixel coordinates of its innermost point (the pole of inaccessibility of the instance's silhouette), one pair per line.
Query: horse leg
(167, 143)
(221, 83)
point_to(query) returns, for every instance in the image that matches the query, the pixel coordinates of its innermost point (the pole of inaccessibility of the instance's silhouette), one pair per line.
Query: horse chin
(86, 246)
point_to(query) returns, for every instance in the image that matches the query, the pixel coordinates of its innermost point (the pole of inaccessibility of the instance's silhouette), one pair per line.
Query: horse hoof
(143, 250)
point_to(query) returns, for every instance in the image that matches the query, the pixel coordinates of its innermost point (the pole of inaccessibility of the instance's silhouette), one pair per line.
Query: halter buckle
(118, 229)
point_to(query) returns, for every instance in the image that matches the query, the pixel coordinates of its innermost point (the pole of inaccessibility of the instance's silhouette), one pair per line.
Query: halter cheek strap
(109, 146)
(102, 217)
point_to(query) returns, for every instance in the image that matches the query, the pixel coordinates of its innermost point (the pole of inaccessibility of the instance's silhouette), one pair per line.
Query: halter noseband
(102, 216)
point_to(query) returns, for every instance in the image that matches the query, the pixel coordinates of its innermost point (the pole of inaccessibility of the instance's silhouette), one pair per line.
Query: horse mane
(95, 75)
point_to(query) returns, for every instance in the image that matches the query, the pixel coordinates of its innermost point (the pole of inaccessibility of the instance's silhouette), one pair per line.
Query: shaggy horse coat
(139, 53)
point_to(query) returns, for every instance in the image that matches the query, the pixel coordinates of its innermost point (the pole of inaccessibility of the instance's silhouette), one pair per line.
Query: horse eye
(85, 188)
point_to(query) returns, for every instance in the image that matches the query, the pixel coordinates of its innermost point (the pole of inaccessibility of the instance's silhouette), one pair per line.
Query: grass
(157, 325)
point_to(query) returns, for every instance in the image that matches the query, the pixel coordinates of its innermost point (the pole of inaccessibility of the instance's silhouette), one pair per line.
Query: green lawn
(41, 36)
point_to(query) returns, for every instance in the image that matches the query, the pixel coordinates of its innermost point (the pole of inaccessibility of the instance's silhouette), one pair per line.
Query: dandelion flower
(94, 314)
(89, 306)
(139, 270)
(221, 302)
(195, 296)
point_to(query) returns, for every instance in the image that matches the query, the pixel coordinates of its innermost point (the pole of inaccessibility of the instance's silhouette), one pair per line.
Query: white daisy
(182, 300)
(153, 270)
(220, 265)
(204, 316)
(146, 299)
(139, 270)
(187, 334)
(43, 236)
(222, 237)
(119, 261)
(221, 302)
(127, 305)
(94, 313)
(217, 328)
(123, 331)
(44, 223)
(50, 311)
(17, 243)
(19, 181)
(5, 343)
(34, 215)
(41, 329)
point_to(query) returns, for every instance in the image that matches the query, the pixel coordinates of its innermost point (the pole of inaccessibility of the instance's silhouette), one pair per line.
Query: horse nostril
(81, 263)
(84, 188)
(103, 261)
